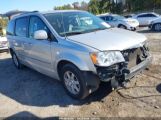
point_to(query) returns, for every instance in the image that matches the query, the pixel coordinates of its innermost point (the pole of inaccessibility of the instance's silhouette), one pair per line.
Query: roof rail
(26, 12)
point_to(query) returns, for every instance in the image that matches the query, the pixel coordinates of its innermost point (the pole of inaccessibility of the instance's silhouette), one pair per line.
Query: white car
(3, 44)
(77, 48)
(120, 21)
(155, 25)
(146, 18)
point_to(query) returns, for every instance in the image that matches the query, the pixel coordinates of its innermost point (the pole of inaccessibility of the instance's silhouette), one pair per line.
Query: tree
(116, 7)
(99, 6)
(3, 24)
(76, 5)
(84, 6)
(142, 5)
(93, 6)
(64, 7)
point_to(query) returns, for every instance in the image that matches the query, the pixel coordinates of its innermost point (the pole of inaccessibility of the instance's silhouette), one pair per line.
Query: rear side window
(10, 28)
(21, 27)
(151, 15)
(144, 15)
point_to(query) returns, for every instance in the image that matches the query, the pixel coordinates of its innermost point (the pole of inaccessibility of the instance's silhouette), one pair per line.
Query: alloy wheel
(71, 82)
(158, 27)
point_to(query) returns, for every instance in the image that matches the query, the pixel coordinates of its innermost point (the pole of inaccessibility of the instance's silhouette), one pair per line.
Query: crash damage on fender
(130, 49)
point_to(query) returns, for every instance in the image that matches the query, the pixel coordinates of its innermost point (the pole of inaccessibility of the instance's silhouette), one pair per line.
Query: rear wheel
(16, 61)
(74, 82)
(157, 27)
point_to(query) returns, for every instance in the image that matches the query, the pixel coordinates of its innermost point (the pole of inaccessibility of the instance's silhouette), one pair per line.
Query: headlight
(107, 58)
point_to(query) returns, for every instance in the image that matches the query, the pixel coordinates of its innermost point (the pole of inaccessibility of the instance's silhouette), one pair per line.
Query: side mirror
(40, 35)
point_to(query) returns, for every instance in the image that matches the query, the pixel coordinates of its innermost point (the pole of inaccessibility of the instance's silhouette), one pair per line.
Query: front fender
(83, 62)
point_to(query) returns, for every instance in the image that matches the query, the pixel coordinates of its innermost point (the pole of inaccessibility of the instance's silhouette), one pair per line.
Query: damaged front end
(136, 60)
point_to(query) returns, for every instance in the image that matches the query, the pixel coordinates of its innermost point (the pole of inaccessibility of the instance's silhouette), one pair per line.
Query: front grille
(135, 56)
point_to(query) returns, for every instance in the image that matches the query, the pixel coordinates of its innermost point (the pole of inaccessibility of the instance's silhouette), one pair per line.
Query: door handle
(27, 43)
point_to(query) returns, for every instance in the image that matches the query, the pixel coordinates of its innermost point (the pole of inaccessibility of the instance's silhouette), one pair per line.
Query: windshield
(118, 17)
(72, 23)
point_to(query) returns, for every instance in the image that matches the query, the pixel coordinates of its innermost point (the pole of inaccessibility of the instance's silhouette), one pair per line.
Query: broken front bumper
(120, 74)
(138, 68)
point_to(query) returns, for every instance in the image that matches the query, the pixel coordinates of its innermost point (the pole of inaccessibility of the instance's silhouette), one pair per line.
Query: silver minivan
(77, 48)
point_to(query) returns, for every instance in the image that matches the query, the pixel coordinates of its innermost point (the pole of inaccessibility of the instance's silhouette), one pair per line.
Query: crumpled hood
(110, 39)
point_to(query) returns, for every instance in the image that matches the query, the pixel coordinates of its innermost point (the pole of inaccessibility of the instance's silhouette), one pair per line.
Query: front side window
(103, 18)
(36, 24)
(71, 23)
(110, 18)
(21, 27)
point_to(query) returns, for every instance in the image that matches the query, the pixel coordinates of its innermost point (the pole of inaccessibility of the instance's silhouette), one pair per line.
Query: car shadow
(31, 88)
(148, 31)
(24, 115)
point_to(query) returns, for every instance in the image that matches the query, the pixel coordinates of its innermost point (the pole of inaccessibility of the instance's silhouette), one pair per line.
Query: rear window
(10, 28)
(21, 27)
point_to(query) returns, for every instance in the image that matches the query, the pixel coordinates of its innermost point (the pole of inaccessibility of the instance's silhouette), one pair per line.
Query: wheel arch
(60, 65)
(120, 24)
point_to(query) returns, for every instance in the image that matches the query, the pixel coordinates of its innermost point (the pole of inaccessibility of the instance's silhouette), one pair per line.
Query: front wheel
(157, 27)
(74, 82)
(122, 26)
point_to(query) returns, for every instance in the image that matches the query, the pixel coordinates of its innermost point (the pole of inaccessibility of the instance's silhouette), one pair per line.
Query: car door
(142, 19)
(39, 51)
(20, 37)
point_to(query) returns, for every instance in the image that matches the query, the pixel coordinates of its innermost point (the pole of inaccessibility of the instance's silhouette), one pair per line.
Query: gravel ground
(31, 94)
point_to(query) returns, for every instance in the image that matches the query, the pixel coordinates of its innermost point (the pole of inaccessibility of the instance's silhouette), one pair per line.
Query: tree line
(113, 6)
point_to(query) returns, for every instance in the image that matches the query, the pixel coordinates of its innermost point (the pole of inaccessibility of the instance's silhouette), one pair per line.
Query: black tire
(83, 91)
(155, 28)
(134, 29)
(122, 26)
(16, 61)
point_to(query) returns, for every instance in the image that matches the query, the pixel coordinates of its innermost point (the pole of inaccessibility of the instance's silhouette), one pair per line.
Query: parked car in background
(77, 48)
(3, 44)
(146, 18)
(120, 21)
(155, 25)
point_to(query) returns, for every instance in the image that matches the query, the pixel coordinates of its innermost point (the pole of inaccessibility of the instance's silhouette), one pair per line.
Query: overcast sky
(31, 5)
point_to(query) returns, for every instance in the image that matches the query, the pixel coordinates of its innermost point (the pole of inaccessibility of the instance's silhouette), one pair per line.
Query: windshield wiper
(81, 32)
(73, 33)
(94, 30)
